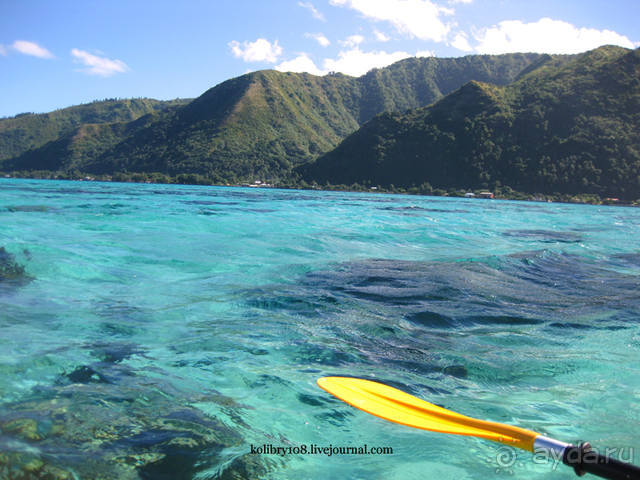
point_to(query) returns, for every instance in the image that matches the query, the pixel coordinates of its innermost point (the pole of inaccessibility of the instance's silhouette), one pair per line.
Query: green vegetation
(417, 82)
(563, 128)
(523, 125)
(257, 126)
(29, 131)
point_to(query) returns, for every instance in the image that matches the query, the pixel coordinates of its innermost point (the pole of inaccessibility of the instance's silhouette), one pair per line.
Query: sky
(59, 53)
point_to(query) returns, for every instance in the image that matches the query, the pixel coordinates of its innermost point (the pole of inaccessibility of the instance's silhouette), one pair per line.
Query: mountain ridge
(27, 131)
(262, 124)
(568, 128)
(534, 122)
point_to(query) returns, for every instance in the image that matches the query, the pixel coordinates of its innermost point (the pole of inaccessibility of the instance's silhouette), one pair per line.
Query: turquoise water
(160, 331)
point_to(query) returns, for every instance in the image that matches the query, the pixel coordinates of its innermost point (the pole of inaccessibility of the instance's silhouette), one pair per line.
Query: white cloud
(96, 65)
(259, 51)
(380, 36)
(302, 63)
(425, 53)
(356, 62)
(416, 18)
(461, 42)
(353, 62)
(352, 41)
(3, 50)
(320, 38)
(545, 35)
(31, 48)
(314, 11)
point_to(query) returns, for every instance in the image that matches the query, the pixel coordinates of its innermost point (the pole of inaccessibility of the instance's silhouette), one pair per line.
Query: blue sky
(60, 53)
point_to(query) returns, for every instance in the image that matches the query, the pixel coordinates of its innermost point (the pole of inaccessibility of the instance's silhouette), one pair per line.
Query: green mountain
(259, 125)
(417, 82)
(566, 126)
(71, 150)
(29, 131)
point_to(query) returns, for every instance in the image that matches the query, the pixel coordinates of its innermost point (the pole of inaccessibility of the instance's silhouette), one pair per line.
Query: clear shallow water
(162, 330)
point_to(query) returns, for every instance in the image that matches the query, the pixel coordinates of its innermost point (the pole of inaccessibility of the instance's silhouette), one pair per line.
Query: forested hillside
(567, 127)
(259, 125)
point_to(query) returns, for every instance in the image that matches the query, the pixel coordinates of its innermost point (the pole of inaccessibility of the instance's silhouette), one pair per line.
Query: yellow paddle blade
(397, 406)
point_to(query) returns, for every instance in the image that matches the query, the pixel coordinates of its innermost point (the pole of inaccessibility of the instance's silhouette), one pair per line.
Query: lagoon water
(159, 331)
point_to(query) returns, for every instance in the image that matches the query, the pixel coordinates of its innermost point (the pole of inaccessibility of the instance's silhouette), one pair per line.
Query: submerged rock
(116, 352)
(459, 371)
(403, 315)
(545, 236)
(86, 374)
(10, 270)
(28, 208)
(108, 421)
(23, 428)
(28, 466)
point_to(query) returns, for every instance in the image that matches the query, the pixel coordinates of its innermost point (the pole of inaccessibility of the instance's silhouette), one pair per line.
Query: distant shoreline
(501, 193)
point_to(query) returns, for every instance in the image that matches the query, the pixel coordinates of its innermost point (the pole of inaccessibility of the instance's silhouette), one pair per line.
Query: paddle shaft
(585, 460)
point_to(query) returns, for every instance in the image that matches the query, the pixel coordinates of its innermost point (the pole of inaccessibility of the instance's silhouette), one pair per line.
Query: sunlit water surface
(160, 331)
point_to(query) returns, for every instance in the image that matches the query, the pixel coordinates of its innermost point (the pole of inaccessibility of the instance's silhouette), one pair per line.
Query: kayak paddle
(397, 406)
